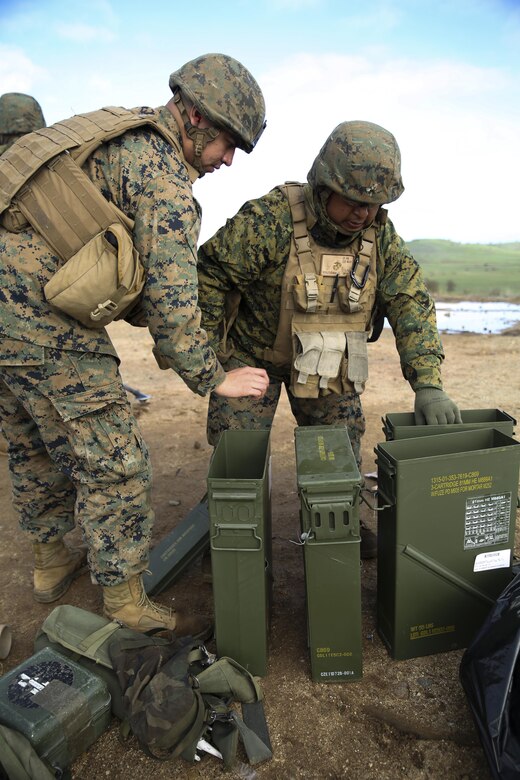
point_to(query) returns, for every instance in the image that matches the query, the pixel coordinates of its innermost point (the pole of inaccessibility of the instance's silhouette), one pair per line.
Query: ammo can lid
(324, 456)
(400, 425)
(482, 440)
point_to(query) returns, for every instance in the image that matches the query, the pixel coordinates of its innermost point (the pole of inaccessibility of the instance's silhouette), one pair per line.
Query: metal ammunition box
(176, 551)
(239, 500)
(401, 425)
(329, 484)
(57, 704)
(446, 523)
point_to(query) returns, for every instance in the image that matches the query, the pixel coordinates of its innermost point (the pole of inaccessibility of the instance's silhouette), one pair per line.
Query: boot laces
(145, 603)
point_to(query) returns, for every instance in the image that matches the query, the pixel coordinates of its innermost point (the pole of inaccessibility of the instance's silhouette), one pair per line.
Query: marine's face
(348, 215)
(218, 152)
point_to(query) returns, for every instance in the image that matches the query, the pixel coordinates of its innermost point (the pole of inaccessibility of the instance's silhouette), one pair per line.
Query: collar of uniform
(166, 117)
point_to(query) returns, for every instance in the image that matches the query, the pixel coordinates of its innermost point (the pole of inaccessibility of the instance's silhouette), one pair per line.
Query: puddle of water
(476, 317)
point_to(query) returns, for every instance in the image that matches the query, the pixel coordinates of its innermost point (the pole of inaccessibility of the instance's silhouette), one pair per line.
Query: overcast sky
(442, 75)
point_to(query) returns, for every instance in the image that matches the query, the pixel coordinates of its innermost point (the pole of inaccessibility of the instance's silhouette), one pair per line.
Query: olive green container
(329, 484)
(401, 425)
(239, 501)
(61, 707)
(446, 525)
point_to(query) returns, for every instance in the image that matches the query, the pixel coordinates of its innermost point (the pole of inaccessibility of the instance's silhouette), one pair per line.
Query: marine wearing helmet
(19, 114)
(226, 94)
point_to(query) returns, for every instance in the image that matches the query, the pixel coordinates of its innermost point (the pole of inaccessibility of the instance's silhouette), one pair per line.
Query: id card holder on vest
(336, 265)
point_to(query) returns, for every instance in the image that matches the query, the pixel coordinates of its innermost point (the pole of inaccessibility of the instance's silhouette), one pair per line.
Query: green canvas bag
(169, 692)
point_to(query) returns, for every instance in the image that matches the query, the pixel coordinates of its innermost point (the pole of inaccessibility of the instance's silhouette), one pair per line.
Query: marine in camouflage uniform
(75, 450)
(19, 114)
(357, 170)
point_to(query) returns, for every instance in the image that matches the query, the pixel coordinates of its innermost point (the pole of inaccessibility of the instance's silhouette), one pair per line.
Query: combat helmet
(225, 93)
(19, 114)
(360, 161)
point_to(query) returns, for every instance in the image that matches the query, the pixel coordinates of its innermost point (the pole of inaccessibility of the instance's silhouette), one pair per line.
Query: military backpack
(170, 693)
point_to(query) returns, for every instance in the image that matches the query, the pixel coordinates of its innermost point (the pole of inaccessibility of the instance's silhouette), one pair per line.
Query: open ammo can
(446, 526)
(329, 484)
(239, 499)
(401, 425)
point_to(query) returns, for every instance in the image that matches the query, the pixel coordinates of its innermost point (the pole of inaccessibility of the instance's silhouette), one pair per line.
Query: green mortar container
(446, 527)
(329, 484)
(239, 502)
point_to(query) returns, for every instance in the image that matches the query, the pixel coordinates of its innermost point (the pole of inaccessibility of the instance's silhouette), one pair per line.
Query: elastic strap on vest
(359, 273)
(357, 365)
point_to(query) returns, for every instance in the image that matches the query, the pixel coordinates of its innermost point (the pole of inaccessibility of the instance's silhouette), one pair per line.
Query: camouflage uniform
(19, 114)
(249, 254)
(75, 448)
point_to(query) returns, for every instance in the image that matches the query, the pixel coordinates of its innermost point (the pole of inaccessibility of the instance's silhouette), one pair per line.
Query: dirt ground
(406, 719)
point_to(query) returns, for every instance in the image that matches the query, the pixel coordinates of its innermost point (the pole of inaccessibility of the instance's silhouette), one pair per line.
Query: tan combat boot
(55, 566)
(129, 605)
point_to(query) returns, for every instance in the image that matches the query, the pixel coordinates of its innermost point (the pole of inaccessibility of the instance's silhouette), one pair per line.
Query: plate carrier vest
(42, 184)
(326, 309)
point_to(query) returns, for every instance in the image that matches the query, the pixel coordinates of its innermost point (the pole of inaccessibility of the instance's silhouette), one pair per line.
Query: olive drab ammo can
(401, 425)
(239, 500)
(59, 706)
(446, 525)
(329, 485)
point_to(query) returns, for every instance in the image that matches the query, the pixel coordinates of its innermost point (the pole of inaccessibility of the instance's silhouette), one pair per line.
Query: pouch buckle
(103, 310)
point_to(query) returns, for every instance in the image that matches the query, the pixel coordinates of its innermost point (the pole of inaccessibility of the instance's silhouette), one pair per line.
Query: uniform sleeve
(157, 193)
(410, 310)
(238, 257)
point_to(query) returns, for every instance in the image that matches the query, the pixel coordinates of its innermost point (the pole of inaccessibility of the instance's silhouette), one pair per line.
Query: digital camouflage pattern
(151, 182)
(75, 399)
(250, 253)
(226, 93)
(19, 114)
(360, 161)
(258, 413)
(67, 376)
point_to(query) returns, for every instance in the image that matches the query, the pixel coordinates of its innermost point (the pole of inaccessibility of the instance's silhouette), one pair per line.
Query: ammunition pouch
(100, 281)
(327, 361)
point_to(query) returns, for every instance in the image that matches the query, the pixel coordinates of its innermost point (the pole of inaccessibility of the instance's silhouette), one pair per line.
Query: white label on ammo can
(499, 559)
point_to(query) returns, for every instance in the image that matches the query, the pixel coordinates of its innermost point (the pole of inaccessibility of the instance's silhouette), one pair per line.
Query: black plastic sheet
(490, 677)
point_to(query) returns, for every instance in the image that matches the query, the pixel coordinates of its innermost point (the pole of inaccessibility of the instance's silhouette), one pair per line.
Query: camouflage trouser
(76, 455)
(252, 413)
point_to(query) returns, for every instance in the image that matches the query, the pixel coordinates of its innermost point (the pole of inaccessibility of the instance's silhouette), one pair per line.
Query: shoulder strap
(294, 193)
(42, 174)
(79, 135)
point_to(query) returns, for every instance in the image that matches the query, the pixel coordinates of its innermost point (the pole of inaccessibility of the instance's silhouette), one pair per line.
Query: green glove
(433, 407)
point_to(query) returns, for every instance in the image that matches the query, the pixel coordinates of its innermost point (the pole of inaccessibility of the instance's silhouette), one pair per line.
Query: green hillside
(485, 271)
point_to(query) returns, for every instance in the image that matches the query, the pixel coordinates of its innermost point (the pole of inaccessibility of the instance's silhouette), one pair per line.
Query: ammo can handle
(236, 527)
(243, 495)
(373, 507)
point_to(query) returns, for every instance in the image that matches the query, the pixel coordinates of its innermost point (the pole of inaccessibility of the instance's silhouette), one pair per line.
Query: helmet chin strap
(201, 136)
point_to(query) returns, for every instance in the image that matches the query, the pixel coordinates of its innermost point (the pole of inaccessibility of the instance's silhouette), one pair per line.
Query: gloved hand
(434, 407)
